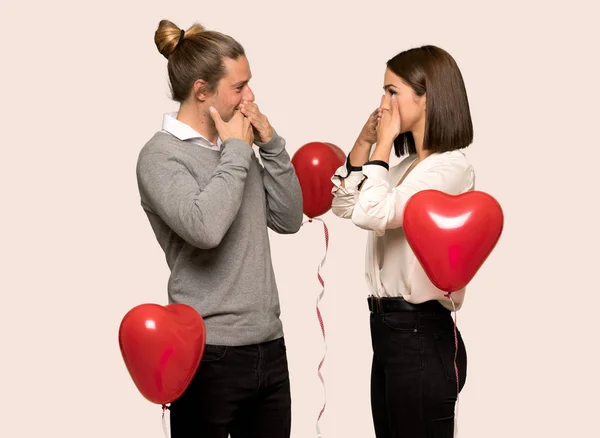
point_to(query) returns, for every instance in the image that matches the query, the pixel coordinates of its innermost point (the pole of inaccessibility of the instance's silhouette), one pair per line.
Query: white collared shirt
(392, 268)
(185, 132)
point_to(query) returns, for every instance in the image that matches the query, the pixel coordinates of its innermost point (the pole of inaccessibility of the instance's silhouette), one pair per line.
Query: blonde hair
(199, 55)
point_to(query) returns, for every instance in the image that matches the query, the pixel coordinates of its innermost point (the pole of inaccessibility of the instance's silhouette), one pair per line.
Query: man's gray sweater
(210, 211)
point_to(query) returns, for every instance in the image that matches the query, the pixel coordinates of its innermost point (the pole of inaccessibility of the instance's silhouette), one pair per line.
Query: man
(210, 203)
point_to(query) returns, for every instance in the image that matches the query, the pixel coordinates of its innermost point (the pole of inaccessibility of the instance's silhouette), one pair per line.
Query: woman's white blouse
(391, 266)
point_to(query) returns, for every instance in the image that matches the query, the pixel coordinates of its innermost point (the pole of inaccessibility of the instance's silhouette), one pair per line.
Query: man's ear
(201, 90)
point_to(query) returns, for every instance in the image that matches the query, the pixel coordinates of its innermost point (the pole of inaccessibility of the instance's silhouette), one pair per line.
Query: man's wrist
(274, 144)
(267, 139)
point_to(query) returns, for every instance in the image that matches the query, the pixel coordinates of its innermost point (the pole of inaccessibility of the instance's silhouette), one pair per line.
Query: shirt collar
(185, 132)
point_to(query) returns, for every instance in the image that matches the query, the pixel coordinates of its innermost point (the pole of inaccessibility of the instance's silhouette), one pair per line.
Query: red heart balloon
(162, 347)
(452, 235)
(315, 164)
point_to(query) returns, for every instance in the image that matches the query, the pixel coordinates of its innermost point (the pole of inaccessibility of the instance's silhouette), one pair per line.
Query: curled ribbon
(319, 316)
(165, 408)
(449, 295)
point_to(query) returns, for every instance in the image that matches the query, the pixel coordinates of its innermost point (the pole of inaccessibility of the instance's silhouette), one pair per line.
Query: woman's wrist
(382, 151)
(362, 144)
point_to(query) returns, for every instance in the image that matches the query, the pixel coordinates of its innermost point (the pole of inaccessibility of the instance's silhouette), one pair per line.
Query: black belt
(399, 304)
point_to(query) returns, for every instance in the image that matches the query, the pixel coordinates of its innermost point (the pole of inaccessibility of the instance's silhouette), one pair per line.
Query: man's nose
(249, 95)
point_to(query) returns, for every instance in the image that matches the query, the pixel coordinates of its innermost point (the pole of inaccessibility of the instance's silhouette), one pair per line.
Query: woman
(425, 115)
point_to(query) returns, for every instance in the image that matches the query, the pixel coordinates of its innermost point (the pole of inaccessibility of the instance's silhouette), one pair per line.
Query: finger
(238, 115)
(385, 103)
(247, 110)
(255, 111)
(250, 106)
(248, 115)
(215, 116)
(253, 121)
(255, 118)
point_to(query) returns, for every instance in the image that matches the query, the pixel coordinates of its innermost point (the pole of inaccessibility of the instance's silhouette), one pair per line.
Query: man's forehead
(237, 71)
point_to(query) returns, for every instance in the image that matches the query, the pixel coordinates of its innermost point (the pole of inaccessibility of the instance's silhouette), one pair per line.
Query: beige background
(83, 88)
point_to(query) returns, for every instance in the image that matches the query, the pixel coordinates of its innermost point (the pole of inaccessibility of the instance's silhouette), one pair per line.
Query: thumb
(215, 116)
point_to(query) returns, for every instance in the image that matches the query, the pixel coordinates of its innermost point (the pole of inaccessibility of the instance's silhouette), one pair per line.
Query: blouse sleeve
(344, 197)
(379, 207)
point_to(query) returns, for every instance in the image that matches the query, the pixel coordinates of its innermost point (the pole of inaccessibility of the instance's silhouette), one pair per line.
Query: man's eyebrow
(242, 82)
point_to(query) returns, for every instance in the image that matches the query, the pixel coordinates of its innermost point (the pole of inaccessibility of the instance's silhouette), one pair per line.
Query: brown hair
(199, 55)
(448, 125)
